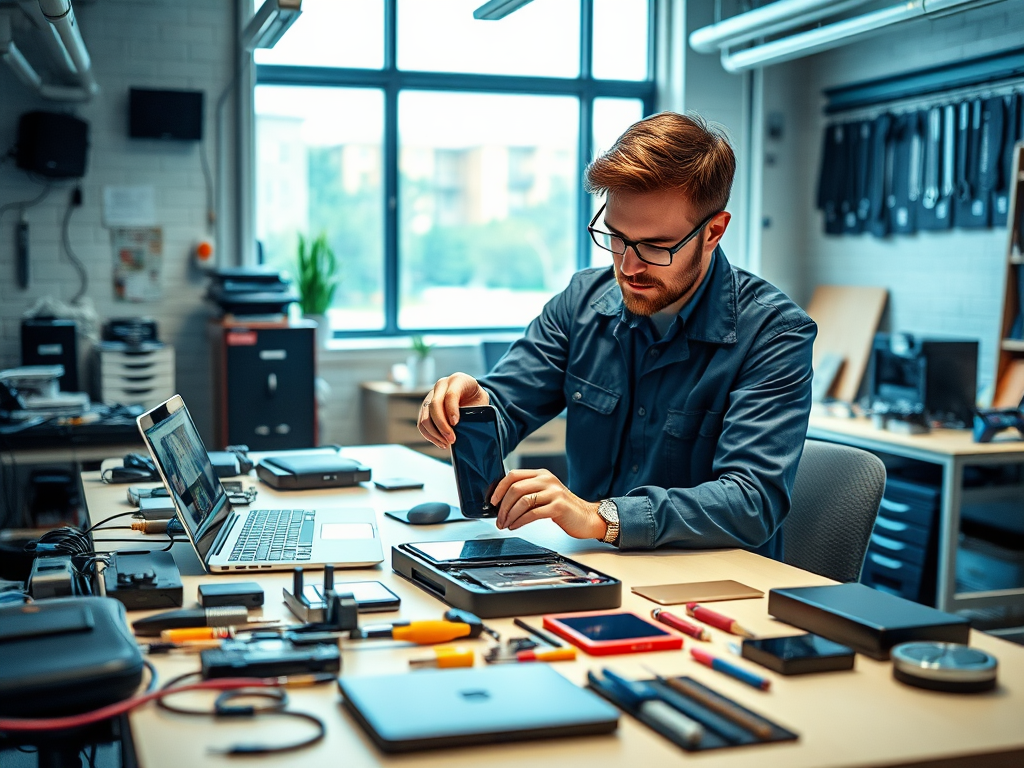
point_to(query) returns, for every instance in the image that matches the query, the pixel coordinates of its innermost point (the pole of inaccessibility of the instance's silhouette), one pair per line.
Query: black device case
(65, 656)
(294, 473)
(449, 585)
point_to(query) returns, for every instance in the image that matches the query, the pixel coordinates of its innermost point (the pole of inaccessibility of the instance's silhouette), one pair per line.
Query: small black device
(165, 114)
(52, 144)
(989, 422)
(244, 593)
(309, 471)
(427, 513)
(52, 341)
(134, 468)
(156, 508)
(53, 576)
(144, 580)
(477, 459)
(231, 462)
(398, 484)
(269, 657)
(798, 654)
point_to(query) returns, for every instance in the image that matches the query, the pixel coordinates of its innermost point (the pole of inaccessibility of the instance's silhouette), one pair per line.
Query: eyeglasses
(655, 255)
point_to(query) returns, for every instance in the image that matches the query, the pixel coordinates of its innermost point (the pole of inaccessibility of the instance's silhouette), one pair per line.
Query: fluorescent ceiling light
(269, 23)
(493, 10)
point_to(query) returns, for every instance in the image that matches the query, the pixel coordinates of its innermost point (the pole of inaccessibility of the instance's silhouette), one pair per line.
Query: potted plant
(422, 370)
(317, 270)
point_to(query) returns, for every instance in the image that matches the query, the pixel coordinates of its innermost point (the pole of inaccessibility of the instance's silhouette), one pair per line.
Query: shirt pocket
(692, 437)
(581, 392)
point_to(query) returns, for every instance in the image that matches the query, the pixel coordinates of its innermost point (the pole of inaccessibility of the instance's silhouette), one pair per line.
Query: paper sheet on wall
(129, 206)
(138, 257)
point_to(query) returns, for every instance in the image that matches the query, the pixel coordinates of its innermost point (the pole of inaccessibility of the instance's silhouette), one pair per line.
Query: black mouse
(428, 512)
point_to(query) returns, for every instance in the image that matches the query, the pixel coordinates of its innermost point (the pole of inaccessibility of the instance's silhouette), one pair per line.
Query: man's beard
(647, 304)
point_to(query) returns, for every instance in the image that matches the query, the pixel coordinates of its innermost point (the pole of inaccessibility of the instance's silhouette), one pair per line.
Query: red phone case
(639, 644)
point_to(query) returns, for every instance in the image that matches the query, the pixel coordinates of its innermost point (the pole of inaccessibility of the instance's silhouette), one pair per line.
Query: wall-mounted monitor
(165, 114)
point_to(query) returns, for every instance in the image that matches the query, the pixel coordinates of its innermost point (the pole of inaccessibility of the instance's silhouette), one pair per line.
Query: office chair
(835, 500)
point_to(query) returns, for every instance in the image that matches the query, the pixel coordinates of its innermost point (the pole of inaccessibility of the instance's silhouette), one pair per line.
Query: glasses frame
(627, 244)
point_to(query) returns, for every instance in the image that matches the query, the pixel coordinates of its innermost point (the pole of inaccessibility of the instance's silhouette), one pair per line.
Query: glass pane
(488, 185)
(611, 118)
(620, 39)
(540, 39)
(319, 169)
(330, 33)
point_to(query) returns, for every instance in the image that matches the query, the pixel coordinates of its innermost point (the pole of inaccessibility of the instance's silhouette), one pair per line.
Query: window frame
(391, 81)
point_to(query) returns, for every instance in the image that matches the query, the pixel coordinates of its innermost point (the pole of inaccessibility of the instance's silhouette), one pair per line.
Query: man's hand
(440, 409)
(532, 494)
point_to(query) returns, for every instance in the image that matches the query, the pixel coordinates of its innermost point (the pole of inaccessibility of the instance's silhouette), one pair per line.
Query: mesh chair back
(835, 500)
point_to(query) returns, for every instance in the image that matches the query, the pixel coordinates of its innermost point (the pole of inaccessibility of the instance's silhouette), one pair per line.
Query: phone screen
(477, 459)
(612, 626)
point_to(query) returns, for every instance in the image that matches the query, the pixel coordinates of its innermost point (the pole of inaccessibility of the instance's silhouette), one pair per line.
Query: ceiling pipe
(48, 34)
(61, 15)
(797, 21)
(839, 33)
(782, 14)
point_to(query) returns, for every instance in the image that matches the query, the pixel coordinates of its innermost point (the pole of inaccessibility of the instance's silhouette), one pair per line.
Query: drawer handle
(885, 562)
(893, 506)
(890, 525)
(882, 541)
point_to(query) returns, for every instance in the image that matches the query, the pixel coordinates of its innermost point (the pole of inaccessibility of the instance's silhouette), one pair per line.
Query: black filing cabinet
(264, 385)
(900, 556)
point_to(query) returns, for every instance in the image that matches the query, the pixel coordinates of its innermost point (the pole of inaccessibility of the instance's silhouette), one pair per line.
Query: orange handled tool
(446, 657)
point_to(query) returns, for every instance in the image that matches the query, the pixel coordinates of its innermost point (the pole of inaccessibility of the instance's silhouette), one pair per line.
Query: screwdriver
(419, 632)
(446, 657)
(190, 634)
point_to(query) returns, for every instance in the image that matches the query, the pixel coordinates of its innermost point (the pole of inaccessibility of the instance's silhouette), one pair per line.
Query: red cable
(25, 725)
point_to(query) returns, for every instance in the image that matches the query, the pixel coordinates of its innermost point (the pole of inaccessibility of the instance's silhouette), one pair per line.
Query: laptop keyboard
(275, 534)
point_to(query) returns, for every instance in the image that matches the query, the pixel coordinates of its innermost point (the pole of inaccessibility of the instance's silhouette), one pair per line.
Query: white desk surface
(858, 718)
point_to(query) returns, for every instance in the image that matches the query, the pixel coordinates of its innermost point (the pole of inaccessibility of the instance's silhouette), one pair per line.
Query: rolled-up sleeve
(755, 460)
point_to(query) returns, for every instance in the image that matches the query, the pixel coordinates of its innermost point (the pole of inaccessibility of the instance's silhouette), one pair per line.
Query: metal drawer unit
(900, 556)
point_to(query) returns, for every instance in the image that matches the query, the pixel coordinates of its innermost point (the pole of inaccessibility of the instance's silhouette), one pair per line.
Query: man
(687, 381)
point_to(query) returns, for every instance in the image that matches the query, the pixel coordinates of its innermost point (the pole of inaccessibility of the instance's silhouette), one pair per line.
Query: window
(443, 156)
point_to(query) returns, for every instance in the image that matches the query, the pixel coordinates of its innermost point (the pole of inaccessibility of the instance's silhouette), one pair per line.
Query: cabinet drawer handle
(893, 506)
(890, 525)
(890, 544)
(885, 562)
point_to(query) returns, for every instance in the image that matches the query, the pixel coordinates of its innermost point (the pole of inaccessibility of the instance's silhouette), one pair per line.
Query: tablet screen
(612, 626)
(478, 549)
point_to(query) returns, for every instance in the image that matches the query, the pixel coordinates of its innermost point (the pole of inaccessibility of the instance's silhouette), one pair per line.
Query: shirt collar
(712, 320)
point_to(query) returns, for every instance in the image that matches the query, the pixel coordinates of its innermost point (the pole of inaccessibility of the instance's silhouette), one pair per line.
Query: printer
(251, 291)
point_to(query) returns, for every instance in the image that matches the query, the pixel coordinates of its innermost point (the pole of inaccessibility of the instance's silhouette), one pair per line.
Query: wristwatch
(610, 514)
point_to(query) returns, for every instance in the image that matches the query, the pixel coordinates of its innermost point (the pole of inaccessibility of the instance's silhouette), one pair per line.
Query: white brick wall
(180, 44)
(940, 284)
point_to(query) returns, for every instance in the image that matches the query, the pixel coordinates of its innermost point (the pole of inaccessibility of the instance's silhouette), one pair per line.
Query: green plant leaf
(317, 274)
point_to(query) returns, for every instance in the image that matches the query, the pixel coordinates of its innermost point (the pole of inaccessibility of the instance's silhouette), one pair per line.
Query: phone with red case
(604, 633)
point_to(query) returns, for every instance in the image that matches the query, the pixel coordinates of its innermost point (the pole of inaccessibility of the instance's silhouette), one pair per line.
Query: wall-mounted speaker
(52, 144)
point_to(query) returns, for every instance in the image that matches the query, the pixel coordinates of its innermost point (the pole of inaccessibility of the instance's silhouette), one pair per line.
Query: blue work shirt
(695, 436)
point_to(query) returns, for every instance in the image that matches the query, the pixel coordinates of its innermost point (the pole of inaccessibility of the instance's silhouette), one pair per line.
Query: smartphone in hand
(477, 459)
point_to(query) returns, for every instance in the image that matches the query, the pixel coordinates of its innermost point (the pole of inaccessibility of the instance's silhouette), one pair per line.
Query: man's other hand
(526, 495)
(440, 409)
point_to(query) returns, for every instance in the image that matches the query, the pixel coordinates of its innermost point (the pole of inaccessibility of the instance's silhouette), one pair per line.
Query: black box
(869, 621)
(52, 144)
(303, 472)
(143, 581)
(798, 654)
(245, 593)
(458, 592)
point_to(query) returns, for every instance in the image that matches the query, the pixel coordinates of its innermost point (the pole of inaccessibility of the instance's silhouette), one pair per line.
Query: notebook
(232, 540)
(453, 707)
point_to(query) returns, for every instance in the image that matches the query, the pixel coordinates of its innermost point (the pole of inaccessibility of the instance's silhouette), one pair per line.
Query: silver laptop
(230, 540)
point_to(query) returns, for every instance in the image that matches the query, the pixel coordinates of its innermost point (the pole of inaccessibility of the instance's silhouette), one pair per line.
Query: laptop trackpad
(345, 531)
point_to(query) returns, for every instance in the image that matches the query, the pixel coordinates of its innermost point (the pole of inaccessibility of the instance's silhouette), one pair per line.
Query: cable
(92, 528)
(26, 204)
(83, 277)
(211, 215)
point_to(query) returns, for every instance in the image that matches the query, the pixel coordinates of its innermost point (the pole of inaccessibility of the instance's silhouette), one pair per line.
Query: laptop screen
(185, 465)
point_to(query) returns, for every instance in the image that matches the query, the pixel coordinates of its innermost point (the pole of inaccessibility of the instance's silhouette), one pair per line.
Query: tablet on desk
(609, 632)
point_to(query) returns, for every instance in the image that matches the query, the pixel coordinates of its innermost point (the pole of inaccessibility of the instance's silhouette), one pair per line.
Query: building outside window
(443, 156)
